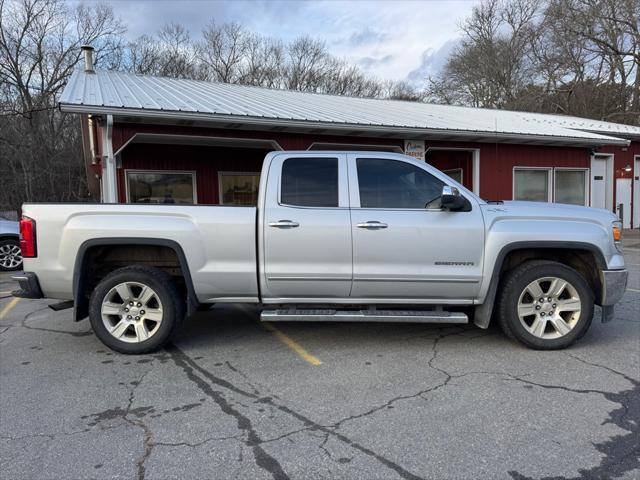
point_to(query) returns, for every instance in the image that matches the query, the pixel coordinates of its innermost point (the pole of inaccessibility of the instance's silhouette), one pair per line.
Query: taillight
(28, 237)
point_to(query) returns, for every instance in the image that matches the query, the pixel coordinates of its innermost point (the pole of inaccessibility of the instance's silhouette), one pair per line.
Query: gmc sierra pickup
(335, 236)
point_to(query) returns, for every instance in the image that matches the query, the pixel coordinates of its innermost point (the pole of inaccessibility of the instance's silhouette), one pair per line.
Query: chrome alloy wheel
(10, 256)
(131, 312)
(549, 307)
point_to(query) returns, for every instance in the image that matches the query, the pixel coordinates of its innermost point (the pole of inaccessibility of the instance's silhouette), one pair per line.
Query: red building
(150, 139)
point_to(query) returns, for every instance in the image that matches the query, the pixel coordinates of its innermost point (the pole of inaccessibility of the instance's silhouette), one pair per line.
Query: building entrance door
(636, 193)
(623, 201)
(601, 182)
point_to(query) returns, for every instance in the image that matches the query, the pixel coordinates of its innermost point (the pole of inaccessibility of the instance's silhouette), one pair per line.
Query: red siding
(497, 162)
(453, 159)
(205, 161)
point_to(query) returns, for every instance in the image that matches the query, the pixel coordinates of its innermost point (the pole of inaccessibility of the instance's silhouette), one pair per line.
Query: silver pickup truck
(335, 236)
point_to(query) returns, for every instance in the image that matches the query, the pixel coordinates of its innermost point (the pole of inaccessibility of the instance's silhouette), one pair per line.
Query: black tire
(172, 304)
(514, 285)
(7, 255)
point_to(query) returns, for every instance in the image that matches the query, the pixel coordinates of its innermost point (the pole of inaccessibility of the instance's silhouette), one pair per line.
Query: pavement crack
(598, 365)
(420, 394)
(133, 417)
(50, 436)
(620, 453)
(29, 315)
(196, 444)
(253, 440)
(190, 367)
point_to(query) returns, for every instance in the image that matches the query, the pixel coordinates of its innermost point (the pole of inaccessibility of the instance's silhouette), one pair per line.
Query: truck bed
(218, 242)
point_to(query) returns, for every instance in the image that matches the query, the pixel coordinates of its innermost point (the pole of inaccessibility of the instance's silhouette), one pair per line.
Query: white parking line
(633, 290)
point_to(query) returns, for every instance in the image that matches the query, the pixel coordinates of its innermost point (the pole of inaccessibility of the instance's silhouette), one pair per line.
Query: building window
(570, 186)
(394, 184)
(455, 173)
(532, 184)
(310, 182)
(238, 188)
(535, 184)
(144, 186)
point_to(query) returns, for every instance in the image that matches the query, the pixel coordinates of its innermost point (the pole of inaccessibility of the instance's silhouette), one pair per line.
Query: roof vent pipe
(87, 51)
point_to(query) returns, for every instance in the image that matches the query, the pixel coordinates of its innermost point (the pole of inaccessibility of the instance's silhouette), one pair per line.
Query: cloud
(389, 38)
(369, 63)
(367, 36)
(433, 61)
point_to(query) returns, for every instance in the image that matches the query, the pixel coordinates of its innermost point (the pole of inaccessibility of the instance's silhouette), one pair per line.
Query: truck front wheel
(135, 309)
(545, 305)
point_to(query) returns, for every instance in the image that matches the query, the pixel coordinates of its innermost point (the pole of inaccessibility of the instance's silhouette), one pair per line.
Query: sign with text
(415, 148)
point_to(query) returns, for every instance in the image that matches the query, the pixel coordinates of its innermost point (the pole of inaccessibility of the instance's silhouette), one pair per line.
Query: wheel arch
(573, 254)
(9, 236)
(80, 273)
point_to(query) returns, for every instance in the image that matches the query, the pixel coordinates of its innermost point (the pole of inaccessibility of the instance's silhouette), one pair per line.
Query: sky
(395, 40)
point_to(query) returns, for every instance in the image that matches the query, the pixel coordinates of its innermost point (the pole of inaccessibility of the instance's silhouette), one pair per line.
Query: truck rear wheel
(135, 309)
(545, 305)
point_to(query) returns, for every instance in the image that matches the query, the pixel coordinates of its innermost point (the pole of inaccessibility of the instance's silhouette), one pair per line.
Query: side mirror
(451, 198)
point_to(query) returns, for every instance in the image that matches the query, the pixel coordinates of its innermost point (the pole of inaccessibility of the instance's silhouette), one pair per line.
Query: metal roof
(129, 95)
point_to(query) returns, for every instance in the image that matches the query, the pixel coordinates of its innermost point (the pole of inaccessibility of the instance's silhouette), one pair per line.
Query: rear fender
(81, 303)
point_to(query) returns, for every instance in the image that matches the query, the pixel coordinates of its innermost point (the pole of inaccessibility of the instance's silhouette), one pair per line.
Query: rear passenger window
(310, 182)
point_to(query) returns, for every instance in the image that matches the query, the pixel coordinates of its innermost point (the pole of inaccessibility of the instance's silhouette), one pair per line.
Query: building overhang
(198, 140)
(238, 122)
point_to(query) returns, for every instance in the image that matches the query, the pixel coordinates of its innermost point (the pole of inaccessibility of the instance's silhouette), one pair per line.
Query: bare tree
(577, 57)
(223, 51)
(264, 62)
(40, 149)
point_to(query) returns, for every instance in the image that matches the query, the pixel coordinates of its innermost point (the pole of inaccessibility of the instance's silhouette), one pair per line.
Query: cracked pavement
(227, 400)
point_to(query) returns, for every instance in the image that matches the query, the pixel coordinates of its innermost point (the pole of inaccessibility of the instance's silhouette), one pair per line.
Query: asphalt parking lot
(233, 398)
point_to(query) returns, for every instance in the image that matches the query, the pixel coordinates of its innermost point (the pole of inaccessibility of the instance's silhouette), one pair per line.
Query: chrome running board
(327, 315)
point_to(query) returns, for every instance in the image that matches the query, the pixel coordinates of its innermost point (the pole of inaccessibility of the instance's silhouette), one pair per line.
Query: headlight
(616, 231)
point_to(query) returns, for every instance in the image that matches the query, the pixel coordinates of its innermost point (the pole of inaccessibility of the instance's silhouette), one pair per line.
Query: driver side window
(385, 183)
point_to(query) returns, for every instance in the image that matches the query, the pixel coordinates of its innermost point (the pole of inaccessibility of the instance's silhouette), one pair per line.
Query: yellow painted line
(630, 289)
(293, 345)
(8, 307)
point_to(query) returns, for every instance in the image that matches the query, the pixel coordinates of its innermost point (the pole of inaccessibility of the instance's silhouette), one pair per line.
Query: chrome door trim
(418, 280)
(323, 279)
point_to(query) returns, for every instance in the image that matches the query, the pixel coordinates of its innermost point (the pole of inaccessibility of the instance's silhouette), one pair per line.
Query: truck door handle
(372, 225)
(284, 224)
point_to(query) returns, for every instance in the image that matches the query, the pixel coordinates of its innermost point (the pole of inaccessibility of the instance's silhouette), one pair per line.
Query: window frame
(127, 171)
(587, 177)
(551, 182)
(234, 173)
(354, 183)
(549, 171)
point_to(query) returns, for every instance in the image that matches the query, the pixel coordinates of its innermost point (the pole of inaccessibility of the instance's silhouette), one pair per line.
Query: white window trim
(549, 170)
(142, 170)
(461, 170)
(551, 181)
(475, 163)
(587, 178)
(231, 174)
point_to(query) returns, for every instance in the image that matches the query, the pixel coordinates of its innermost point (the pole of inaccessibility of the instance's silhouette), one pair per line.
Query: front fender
(508, 234)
